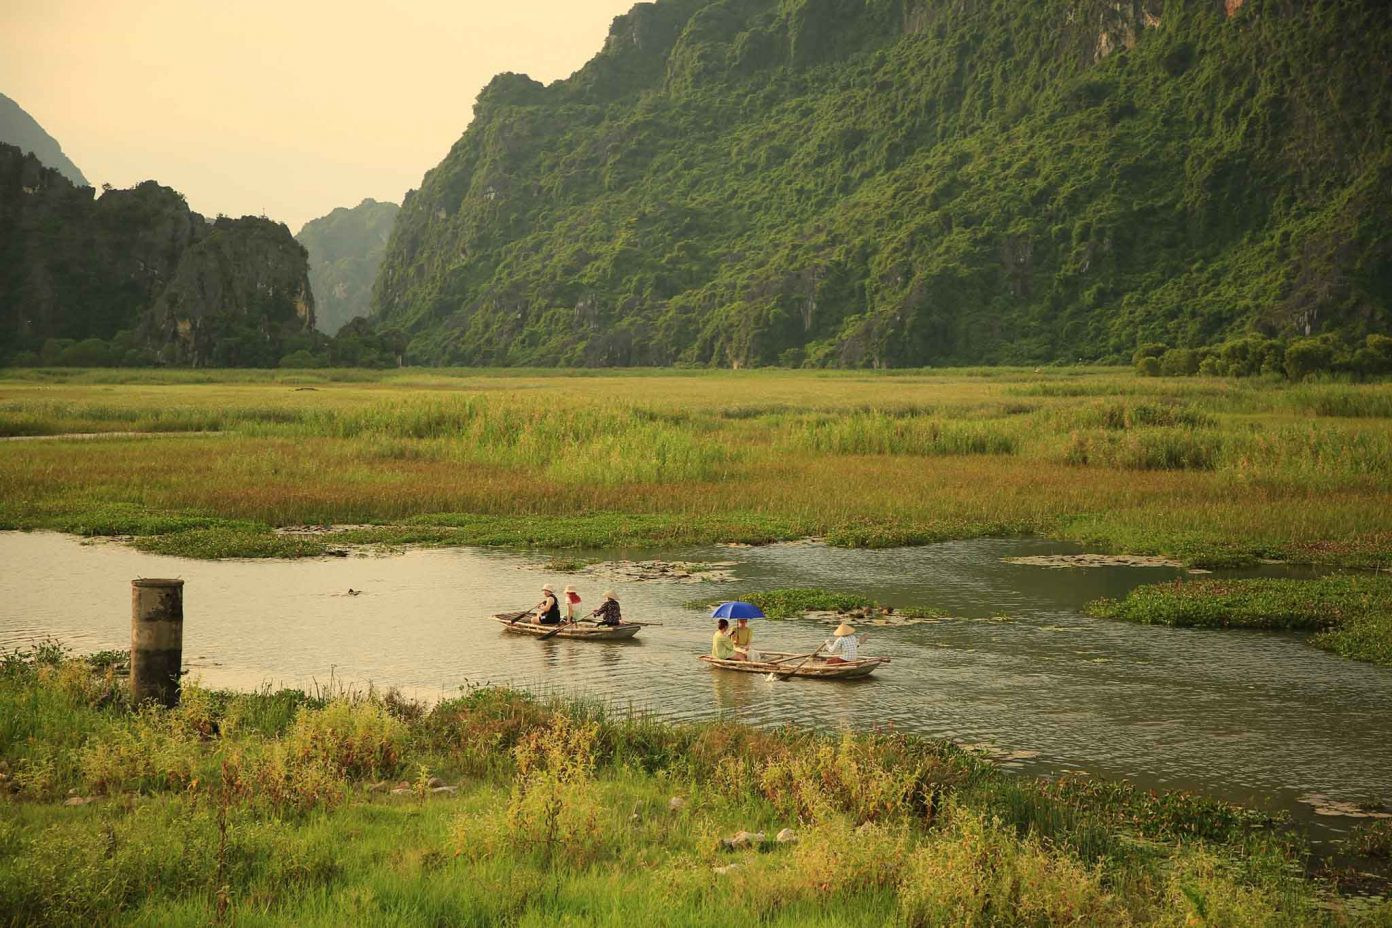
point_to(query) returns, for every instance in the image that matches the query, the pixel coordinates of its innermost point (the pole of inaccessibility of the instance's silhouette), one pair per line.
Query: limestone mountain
(134, 276)
(905, 182)
(345, 249)
(23, 131)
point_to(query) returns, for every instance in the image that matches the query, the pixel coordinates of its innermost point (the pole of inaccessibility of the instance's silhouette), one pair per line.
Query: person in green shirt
(722, 648)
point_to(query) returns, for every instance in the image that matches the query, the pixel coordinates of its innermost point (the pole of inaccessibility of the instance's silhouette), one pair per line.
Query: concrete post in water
(157, 640)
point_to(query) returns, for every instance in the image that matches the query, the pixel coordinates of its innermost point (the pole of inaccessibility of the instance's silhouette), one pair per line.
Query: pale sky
(283, 107)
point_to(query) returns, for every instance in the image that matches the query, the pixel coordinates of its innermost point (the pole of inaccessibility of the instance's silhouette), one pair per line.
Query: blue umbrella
(737, 610)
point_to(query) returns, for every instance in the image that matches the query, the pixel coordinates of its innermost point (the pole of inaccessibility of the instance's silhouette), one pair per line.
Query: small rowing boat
(817, 668)
(588, 632)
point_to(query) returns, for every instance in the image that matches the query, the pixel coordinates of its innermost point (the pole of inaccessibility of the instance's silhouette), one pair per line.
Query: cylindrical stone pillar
(157, 640)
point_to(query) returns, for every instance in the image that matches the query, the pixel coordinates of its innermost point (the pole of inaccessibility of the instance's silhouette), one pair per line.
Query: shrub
(1148, 367)
(837, 856)
(1202, 891)
(1149, 350)
(152, 752)
(866, 778)
(303, 359)
(551, 807)
(1308, 356)
(977, 872)
(1371, 839)
(272, 773)
(1179, 362)
(355, 738)
(1374, 357)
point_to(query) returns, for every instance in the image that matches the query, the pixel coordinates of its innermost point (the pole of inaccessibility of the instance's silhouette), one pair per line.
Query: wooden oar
(791, 657)
(555, 631)
(517, 615)
(785, 676)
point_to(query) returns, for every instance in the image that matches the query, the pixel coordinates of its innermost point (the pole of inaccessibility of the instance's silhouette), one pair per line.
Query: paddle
(785, 676)
(517, 615)
(556, 631)
(792, 657)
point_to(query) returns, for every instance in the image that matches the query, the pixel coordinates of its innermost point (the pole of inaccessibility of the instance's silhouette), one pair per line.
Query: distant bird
(353, 592)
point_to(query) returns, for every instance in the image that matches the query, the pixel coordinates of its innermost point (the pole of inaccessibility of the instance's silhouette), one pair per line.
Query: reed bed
(293, 808)
(1210, 470)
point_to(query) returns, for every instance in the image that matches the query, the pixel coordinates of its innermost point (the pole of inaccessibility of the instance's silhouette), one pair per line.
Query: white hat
(546, 588)
(568, 589)
(609, 594)
(843, 630)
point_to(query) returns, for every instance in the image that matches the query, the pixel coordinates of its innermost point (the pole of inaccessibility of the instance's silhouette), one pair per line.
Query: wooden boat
(817, 668)
(587, 632)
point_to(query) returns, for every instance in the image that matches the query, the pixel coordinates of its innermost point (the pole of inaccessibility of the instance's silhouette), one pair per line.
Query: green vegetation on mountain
(23, 131)
(345, 248)
(907, 182)
(134, 277)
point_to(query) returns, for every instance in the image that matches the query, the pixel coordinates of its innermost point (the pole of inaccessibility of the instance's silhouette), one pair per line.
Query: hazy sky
(291, 107)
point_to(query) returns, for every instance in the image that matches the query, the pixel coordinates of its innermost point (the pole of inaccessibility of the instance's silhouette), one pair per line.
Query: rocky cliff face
(899, 182)
(345, 249)
(237, 294)
(139, 270)
(21, 130)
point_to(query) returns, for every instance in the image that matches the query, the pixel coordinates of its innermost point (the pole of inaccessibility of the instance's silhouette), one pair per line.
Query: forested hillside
(905, 182)
(134, 277)
(345, 249)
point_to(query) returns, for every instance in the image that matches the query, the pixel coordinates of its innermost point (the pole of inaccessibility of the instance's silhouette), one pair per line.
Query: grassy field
(281, 808)
(1211, 471)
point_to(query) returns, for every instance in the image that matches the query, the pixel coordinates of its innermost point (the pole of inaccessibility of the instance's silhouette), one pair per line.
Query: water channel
(1262, 719)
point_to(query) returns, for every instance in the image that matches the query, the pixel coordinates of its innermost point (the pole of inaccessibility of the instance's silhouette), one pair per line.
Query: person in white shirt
(842, 648)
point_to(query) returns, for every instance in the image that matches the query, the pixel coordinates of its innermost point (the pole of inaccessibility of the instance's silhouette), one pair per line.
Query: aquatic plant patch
(1349, 614)
(825, 604)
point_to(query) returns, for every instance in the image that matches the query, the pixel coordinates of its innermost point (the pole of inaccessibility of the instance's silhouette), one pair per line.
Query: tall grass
(883, 433)
(1202, 469)
(267, 808)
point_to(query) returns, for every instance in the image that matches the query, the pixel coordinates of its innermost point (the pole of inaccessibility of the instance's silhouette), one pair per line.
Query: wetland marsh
(956, 496)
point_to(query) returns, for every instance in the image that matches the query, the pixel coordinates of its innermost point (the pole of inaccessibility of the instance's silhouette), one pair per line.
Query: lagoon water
(1258, 718)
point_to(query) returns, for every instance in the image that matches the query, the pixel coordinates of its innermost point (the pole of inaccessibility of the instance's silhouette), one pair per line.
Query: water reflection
(1255, 717)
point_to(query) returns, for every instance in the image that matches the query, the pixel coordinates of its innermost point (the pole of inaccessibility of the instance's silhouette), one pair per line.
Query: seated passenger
(722, 648)
(742, 635)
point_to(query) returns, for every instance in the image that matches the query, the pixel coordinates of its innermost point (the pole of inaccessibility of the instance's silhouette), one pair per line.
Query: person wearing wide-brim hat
(841, 648)
(548, 611)
(608, 611)
(571, 598)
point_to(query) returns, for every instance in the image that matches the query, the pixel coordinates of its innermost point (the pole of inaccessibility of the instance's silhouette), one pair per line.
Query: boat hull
(581, 632)
(815, 669)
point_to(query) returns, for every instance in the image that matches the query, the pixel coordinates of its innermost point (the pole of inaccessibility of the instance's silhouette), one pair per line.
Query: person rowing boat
(608, 612)
(843, 646)
(548, 611)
